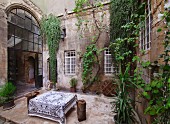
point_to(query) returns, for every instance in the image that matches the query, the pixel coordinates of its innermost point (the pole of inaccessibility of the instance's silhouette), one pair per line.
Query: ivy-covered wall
(120, 12)
(152, 55)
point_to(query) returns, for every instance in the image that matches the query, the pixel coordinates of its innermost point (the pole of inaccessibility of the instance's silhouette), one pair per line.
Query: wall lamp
(63, 33)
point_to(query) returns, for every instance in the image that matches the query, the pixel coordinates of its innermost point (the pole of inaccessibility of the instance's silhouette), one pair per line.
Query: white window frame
(70, 62)
(109, 68)
(145, 34)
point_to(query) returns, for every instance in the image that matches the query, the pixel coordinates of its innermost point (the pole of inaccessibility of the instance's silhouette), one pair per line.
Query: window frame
(145, 33)
(114, 70)
(68, 62)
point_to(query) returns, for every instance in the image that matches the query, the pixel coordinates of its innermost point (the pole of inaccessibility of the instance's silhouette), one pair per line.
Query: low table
(52, 105)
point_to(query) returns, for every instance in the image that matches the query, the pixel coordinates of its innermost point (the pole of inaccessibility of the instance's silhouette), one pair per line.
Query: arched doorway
(24, 50)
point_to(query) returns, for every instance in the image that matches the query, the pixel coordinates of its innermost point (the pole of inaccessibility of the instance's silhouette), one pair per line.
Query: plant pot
(72, 89)
(8, 105)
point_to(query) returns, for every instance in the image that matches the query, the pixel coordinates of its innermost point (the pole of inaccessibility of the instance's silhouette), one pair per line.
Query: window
(108, 65)
(145, 36)
(70, 63)
(23, 31)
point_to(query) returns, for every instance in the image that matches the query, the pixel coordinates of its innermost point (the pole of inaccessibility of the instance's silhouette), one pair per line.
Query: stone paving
(98, 111)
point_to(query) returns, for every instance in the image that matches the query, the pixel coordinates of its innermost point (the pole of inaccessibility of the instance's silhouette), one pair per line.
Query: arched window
(24, 40)
(23, 31)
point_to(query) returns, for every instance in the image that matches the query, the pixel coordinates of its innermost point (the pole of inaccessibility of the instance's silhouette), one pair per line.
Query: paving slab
(98, 111)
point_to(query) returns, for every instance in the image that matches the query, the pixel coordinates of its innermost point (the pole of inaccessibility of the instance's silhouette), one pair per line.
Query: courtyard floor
(98, 111)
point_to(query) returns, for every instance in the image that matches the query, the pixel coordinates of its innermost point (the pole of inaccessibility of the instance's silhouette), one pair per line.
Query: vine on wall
(120, 12)
(50, 28)
(91, 56)
(157, 92)
(124, 30)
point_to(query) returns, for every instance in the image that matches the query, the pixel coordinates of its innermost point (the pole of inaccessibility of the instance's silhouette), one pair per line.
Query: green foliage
(124, 53)
(124, 49)
(73, 82)
(88, 63)
(120, 12)
(7, 92)
(91, 55)
(157, 92)
(122, 104)
(50, 27)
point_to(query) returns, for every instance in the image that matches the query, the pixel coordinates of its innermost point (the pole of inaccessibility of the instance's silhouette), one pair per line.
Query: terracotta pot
(72, 89)
(8, 105)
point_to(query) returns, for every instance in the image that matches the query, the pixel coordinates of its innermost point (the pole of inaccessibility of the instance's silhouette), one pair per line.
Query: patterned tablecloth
(52, 105)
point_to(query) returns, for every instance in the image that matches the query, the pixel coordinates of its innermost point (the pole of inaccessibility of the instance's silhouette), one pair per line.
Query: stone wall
(151, 55)
(73, 41)
(3, 46)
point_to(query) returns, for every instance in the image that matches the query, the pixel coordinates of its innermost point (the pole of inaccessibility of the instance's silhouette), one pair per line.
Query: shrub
(7, 92)
(73, 82)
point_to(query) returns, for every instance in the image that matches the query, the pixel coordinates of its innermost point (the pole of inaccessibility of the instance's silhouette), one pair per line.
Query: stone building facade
(73, 42)
(75, 45)
(5, 8)
(153, 50)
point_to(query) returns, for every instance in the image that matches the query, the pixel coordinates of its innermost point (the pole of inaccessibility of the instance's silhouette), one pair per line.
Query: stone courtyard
(98, 111)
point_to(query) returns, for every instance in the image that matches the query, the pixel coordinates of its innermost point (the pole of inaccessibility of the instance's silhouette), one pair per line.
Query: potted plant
(73, 83)
(7, 95)
(122, 103)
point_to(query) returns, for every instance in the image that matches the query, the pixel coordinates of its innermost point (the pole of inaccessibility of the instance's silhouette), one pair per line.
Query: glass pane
(10, 41)
(25, 35)
(40, 48)
(28, 23)
(20, 12)
(18, 32)
(33, 28)
(30, 46)
(12, 18)
(39, 40)
(35, 38)
(35, 47)
(25, 45)
(17, 40)
(39, 71)
(18, 43)
(10, 29)
(30, 36)
(34, 21)
(28, 15)
(20, 22)
(14, 11)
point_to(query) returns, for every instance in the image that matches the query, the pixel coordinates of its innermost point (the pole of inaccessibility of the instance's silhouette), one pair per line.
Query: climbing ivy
(91, 56)
(157, 92)
(88, 63)
(120, 12)
(50, 28)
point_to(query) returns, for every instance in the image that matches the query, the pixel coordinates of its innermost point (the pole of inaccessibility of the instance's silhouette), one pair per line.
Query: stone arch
(24, 45)
(21, 6)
